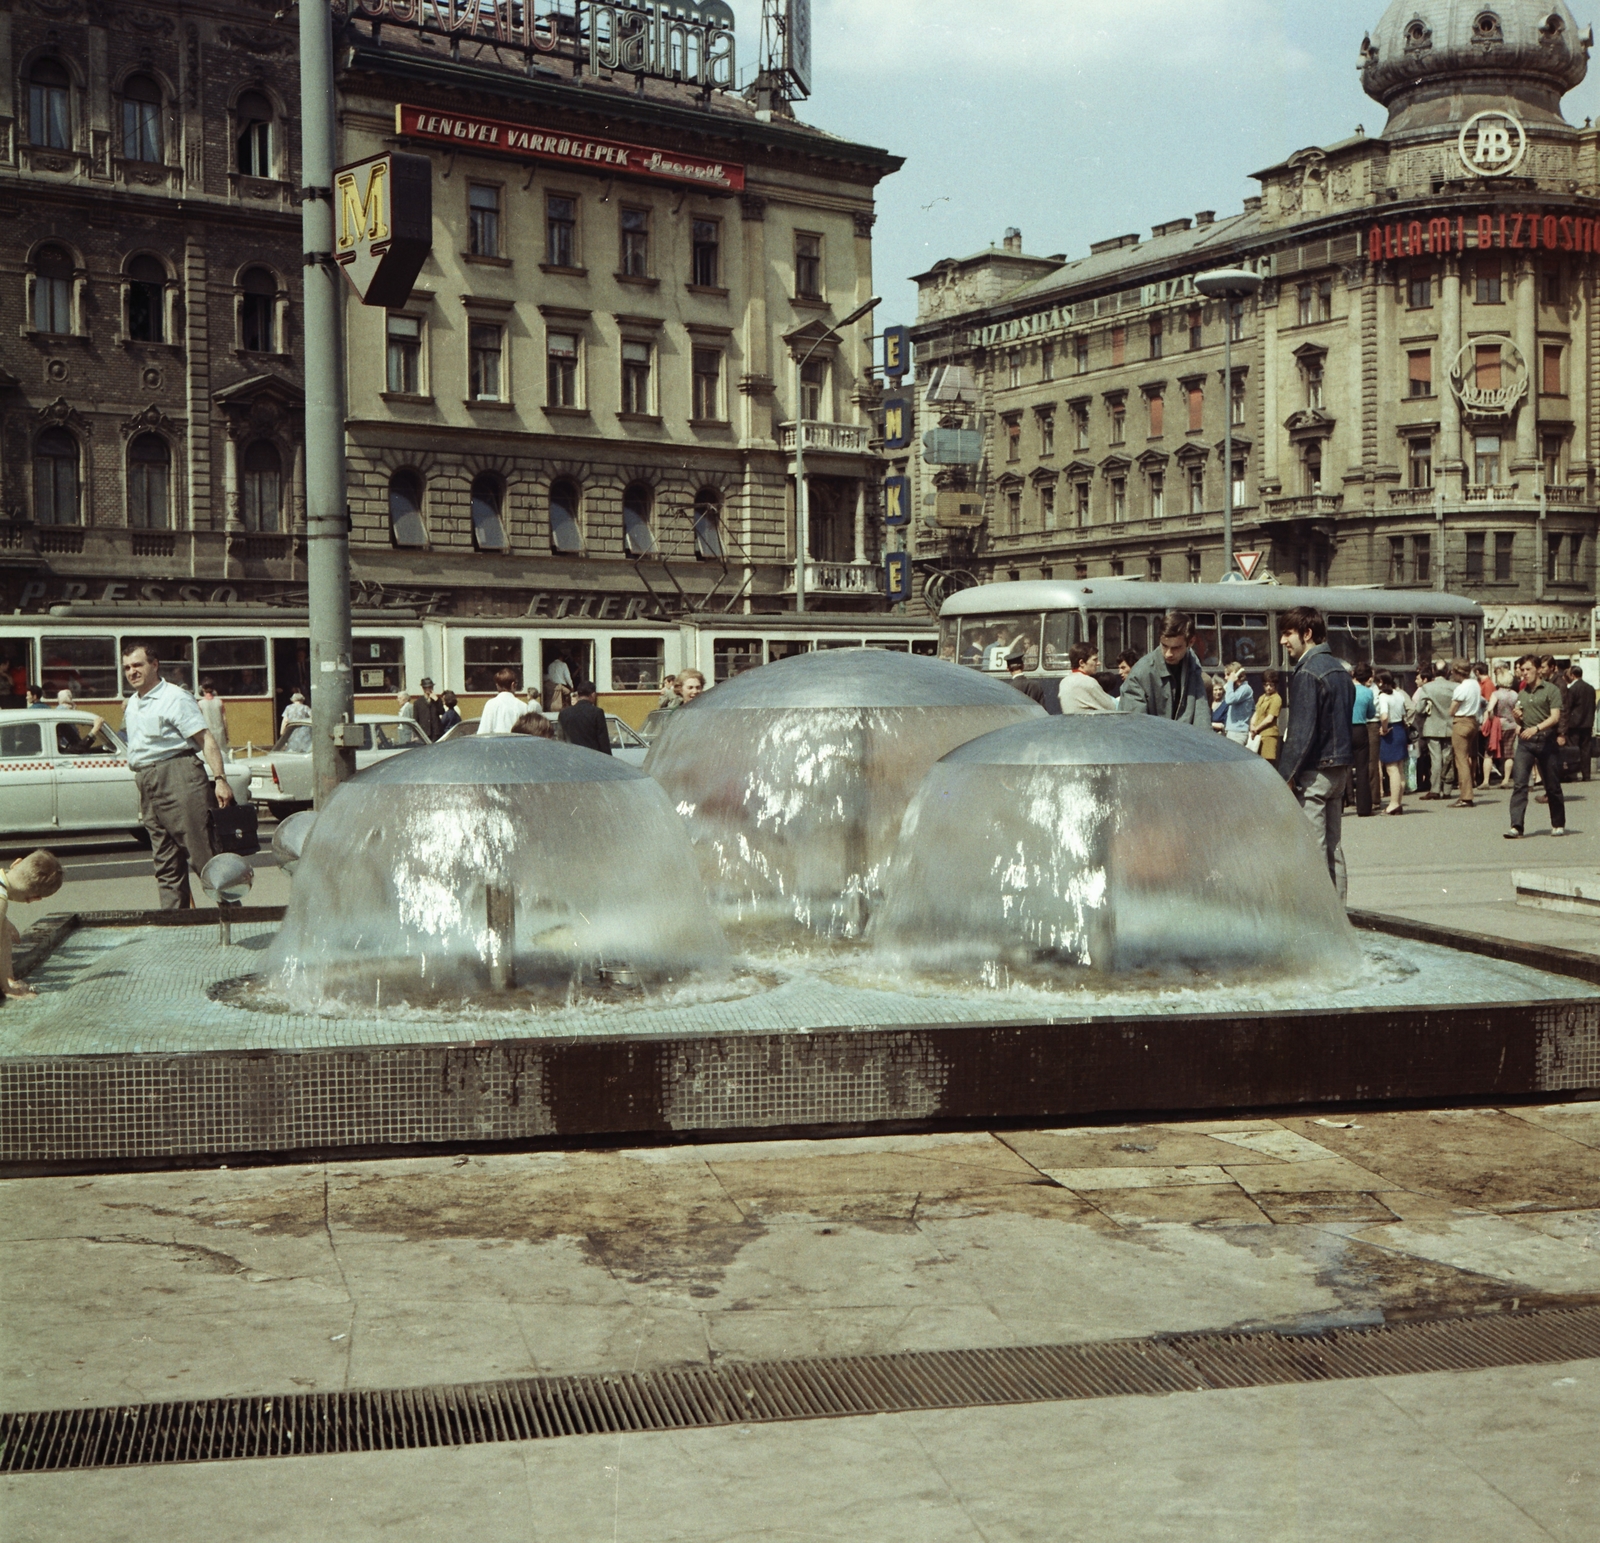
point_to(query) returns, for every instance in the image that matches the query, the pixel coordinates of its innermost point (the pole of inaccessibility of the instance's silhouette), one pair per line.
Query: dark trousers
(1547, 757)
(1361, 737)
(174, 797)
(1584, 740)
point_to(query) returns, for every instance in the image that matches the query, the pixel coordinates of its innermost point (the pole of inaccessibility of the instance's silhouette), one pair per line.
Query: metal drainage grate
(527, 1409)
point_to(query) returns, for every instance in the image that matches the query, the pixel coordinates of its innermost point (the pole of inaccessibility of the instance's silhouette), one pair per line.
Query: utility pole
(1232, 286)
(327, 509)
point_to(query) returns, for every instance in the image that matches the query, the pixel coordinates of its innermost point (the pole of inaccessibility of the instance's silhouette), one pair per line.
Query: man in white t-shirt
(501, 712)
(1466, 709)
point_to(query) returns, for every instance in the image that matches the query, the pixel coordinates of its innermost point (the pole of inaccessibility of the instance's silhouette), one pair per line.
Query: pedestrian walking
(1580, 718)
(1364, 736)
(1500, 729)
(1168, 681)
(215, 712)
(1435, 712)
(1466, 708)
(1316, 751)
(451, 715)
(1080, 692)
(1239, 702)
(502, 710)
(1393, 709)
(428, 710)
(1266, 721)
(167, 739)
(583, 723)
(1538, 716)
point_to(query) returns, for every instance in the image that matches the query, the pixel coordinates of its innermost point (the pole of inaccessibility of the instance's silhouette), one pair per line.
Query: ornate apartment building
(1413, 386)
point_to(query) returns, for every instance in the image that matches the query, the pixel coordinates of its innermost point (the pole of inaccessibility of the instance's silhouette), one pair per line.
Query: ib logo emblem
(1492, 144)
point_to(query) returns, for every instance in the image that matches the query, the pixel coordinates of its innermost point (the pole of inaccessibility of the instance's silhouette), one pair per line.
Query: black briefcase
(234, 829)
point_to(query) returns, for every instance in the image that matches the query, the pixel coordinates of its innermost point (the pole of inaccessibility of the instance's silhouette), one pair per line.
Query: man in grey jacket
(1433, 707)
(1168, 682)
(1314, 758)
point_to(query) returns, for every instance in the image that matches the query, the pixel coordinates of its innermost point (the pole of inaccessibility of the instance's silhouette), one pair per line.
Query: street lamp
(1230, 285)
(802, 495)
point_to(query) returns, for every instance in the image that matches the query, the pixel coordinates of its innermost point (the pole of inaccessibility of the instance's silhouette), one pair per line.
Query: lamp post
(1230, 285)
(802, 494)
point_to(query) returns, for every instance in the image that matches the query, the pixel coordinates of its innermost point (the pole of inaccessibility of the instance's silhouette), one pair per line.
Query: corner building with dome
(1413, 386)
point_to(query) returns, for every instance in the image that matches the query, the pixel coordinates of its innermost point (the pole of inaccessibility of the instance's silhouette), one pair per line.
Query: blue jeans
(1547, 757)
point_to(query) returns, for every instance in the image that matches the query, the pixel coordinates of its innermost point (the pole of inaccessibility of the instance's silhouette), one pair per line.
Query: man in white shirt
(1466, 708)
(501, 712)
(1080, 691)
(166, 737)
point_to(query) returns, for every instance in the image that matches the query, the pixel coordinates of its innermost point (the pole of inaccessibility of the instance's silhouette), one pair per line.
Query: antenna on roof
(785, 55)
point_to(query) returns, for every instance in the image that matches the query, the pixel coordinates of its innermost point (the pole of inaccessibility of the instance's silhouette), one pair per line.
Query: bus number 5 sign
(383, 224)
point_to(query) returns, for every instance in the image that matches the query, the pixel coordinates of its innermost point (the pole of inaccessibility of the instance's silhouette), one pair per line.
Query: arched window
(258, 307)
(50, 105)
(254, 116)
(55, 478)
(488, 529)
(566, 537)
(147, 290)
(141, 119)
(52, 289)
(149, 483)
(405, 510)
(262, 493)
(638, 540)
(708, 525)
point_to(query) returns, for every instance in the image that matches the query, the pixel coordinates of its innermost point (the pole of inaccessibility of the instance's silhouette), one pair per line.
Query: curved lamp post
(1230, 285)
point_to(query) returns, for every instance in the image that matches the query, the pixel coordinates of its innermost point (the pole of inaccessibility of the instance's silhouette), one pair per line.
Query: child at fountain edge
(34, 877)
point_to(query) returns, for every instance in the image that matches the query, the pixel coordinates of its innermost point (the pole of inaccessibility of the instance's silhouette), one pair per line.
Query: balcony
(1567, 497)
(1411, 498)
(1490, 493)
(1307, 506)
(840, 579)
(838, 438)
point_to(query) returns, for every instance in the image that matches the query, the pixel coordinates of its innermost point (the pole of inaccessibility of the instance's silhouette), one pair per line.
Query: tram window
(1205, 639)
(16, 661)
(733, 656)
(1139, 634)
(1061, 630)
(786, 648)
(1110, 639)
(1349, 638)
(897, 644)
(1471, 640)
(947, 638)
(1438, 636)
(1394, 641)
(1247, 639)
(636, 663)
(981, 633)
(482, 657)
(87, 667)
(380, 664)
(927, 648)
(177, 657)
(838, 642)
(235, 666)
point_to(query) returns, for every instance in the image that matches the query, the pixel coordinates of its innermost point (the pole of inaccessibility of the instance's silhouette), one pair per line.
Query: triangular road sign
(1248, 563)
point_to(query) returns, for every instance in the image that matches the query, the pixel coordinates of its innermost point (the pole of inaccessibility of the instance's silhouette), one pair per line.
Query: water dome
(793, 778)
(1118, 842)
(485, 863)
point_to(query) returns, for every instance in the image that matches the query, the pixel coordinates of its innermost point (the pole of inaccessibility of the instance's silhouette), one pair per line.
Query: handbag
(233, 830)
(1253, 744)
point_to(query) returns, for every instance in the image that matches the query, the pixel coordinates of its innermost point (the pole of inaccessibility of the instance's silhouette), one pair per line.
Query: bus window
(1471, 640)
(897, 645)
(981, 633)
(1437, 634)
(838, 642)
(177, 657)
(1247, 639)
(1110, 640)
(926, 647)
(235, 666)
(786, 648)
(733, 656)
(1061, 631)
(637, 663)
(482, 658)
(1205, 640)
(87, 667)
(380, 663)
(1139, 634)
(947, 638)
(1349, 638)
(16, 660)
(1394, 642)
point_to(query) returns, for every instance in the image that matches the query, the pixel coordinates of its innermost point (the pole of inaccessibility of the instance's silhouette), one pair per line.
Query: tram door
(291, 672)
(576, 654)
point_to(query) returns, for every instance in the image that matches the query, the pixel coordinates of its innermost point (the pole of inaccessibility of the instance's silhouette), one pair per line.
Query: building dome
(1433, 63)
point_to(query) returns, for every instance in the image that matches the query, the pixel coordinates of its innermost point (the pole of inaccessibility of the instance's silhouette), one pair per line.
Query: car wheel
(281, 808)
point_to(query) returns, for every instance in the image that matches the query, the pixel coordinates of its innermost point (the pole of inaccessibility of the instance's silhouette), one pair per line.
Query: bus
(1393, 629)
(256, 656)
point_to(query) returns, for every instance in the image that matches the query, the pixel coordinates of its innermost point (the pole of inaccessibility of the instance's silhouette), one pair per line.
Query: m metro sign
(383, 224)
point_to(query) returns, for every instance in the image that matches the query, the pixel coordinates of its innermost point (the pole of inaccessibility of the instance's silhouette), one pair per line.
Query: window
(1153, 568)
(483, 220)
(1197, 409)
(1419, 289)
(405, 510)
(637, 663)
(1397, 560)
(707, 251)
(1080, 355)
(1313, 469)
(1552, 290)
(1119, 345)
(254, 116)
(50, 105)
(1239, 488)
(1553, 571)
(1013, 439)
(236, 666)
(1504, 542)
(1013, 512)
(1419, 369)
(1196, 331)
(813, 382)
(1313, 371)
(1305, 305)
(405, 355)
(141, 119)
(1047, 506)
(1119, 422)
(808, 267)
(258, 306)
(733, 656)
(1047, 433)
(638, 540)
(55, 478)
(1080, 428)
(708, 385)
(1421, 462)
(1158, 496)
(1237, 403)
(1047, 361)
(1119, 499)
(1486, 457)
(262, 492)
(1324, 299)
(1422, 558)
(85, 666)
(565, 536)
(486, 343)
(1158, 414)
(1194, 567)
(1486, 367)
(1197, 489)
(561, 232)
(561, 369)
(379, 663)
(1014, 367)
(635, 377)
(1552, 447)
(483, 658)
(52, 290)
(1080, 503)
(1117, 567)
(1155, 337)
(488, 529)
(1552, 370)
(635, 243)
(1475, 543)
(147, 288)
(1236, 321)
(149, 483)
(1486, 282)
(20, 739)
(708, 542)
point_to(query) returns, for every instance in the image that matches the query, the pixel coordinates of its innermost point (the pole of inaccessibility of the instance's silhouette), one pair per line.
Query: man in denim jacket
(1315, 758)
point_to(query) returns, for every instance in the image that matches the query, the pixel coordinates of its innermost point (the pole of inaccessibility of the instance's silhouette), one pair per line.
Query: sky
(1077, 120)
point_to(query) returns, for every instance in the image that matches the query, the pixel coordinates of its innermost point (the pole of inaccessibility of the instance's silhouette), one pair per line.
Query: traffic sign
(1248, 563)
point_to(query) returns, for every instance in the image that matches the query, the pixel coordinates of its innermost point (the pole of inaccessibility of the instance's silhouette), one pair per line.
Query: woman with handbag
(1264, 722)
(1393, 749)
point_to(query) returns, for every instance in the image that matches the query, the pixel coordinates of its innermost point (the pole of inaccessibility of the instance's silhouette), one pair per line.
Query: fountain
(793, 779)
(1118, 842)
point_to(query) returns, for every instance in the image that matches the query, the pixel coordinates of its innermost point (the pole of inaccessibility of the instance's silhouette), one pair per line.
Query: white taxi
(282, 777)
(64, 770)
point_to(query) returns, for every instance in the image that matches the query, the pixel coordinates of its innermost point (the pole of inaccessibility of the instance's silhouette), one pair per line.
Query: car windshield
(653, 725)
(295, 739)
(622, 735)
(396, 736)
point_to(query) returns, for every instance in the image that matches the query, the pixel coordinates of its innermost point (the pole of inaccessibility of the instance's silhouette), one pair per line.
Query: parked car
(626, 742)
(64, 770)
(282, 777)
